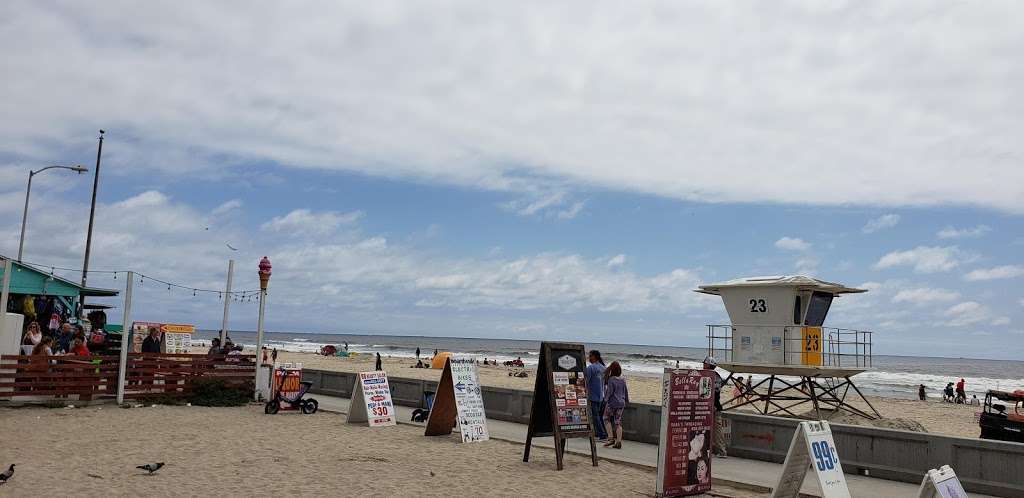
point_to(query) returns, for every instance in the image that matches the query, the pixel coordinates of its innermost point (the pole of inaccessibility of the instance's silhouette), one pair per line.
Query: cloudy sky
(531, 170)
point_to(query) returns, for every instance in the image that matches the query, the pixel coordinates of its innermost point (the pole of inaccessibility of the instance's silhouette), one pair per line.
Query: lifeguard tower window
(817, 308)
(796, 311)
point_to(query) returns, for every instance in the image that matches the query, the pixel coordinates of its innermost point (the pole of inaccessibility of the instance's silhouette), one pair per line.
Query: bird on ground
(6, 475)
(151, 467)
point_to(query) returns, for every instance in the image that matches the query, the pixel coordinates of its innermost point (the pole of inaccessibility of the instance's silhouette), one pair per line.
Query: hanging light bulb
(115, 275)
(193, 293)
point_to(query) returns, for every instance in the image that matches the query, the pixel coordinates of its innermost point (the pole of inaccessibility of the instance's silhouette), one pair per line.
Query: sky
(531, 170)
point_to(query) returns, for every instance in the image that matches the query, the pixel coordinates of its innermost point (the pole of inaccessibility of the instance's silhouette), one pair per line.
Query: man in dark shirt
(152, 343)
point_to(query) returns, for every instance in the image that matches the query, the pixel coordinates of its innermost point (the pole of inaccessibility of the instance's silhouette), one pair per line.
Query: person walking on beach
(920, 392)
(377, 365)
(616, 397)
(595, 392)
(961, 394)
(417, 352)
(718, 442)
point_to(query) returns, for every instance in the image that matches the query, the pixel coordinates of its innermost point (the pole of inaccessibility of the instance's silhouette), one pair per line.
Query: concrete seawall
(991, 467)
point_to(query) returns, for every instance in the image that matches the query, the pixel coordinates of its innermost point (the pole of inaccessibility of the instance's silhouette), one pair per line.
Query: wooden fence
(40, 378)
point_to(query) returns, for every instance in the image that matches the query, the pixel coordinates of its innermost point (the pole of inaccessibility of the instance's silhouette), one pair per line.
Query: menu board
(371, 400)
(687, 422)
(559, 406)
(174, 337)
(571, 401)
(286, 381)
(468, 400)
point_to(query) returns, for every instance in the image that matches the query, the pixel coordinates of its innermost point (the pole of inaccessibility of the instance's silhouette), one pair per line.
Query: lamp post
(264, 273)
(28, 192)
(92, 213)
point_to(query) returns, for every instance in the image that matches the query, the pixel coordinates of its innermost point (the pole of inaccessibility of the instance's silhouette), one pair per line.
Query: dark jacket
(150, 345)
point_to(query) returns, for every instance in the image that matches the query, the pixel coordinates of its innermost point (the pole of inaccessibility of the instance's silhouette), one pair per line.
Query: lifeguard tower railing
(839, 347)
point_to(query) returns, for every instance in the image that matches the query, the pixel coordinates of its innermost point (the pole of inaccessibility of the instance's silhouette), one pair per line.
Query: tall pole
(126, 335)
(24, 217)
(5, 293)
(227, 301)
(264, 273)
(92, 213)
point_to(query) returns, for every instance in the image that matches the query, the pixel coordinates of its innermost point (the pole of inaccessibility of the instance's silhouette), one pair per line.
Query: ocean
(892, 376)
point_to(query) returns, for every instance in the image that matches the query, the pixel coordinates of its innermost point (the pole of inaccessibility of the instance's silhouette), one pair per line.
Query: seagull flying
(151, 467)
(7, 474)
(229, 246)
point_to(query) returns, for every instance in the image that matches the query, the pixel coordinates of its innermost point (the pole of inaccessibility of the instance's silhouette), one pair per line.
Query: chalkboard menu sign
(560, 399)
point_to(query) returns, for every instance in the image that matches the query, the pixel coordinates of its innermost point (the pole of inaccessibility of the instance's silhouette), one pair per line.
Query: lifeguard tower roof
(799, 282)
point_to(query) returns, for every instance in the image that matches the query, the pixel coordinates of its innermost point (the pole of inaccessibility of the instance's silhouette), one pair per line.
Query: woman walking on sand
(616, 397)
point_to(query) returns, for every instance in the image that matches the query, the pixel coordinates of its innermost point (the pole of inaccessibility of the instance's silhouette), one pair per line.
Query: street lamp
(264, 272)
(28, 191)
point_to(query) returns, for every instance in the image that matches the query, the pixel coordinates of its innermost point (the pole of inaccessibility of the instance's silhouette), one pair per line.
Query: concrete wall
(990, 467)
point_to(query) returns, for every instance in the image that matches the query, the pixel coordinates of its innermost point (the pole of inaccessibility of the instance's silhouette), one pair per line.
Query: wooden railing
(94, 377)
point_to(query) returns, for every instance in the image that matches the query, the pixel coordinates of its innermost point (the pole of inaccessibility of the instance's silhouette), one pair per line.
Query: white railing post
(126, 335)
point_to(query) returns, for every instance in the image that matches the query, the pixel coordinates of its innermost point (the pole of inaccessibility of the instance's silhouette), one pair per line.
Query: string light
(238, 296)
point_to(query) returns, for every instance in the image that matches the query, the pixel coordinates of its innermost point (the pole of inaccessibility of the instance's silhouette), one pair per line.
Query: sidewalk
(754, 475)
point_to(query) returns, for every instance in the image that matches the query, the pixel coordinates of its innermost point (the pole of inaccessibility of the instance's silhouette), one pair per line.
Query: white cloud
(880, 223)
(967, 313)
(792, 244)
(227, 207)
(572, 211)
(923, 259)
(307, 222)
(391, 89)
(971, 313)
(998, 272)
(1020, 302)
(961, 233)
(807, 265)
(925, 295)
(618, 260)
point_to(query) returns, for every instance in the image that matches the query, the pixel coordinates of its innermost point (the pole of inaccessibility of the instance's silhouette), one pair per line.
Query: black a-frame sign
(560, 399)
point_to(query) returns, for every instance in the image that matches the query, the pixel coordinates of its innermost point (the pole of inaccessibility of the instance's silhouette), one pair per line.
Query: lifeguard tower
(777, 331)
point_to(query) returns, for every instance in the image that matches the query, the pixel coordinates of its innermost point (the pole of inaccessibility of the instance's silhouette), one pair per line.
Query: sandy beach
(935, 417)
(242, 452)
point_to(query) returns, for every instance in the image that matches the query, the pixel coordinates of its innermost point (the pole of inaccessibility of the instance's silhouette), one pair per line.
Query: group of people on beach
(952, 393)
(68, 340)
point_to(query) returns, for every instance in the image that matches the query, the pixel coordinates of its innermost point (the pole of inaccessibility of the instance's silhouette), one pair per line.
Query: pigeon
(151, 467)
(7, 474)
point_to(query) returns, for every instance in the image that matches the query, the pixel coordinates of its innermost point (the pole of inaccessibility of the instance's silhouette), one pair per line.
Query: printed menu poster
(571, 401)
(687, 421)
(378, 409)
(468, 400)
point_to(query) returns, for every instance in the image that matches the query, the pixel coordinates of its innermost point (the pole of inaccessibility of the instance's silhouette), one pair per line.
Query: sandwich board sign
(687, 422)
(941, 483)
(371, 400)
(812, 446)
(560, 400)
(458, 399)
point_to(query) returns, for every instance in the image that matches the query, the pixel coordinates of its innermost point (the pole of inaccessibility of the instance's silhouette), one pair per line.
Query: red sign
(687, 422)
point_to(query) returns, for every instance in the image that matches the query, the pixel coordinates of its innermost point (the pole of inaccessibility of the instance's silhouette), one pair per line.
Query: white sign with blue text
(812, 446)
(941, 483)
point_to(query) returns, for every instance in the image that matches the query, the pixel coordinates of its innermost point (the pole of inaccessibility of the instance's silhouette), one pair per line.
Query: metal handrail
(840, 346)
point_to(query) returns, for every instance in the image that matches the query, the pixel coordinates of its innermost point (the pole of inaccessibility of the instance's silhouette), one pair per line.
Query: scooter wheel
(310, 406)
(271, 407)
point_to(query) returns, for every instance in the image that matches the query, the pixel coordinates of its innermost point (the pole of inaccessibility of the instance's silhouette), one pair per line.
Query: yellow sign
(811, 346)
(178, 328)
